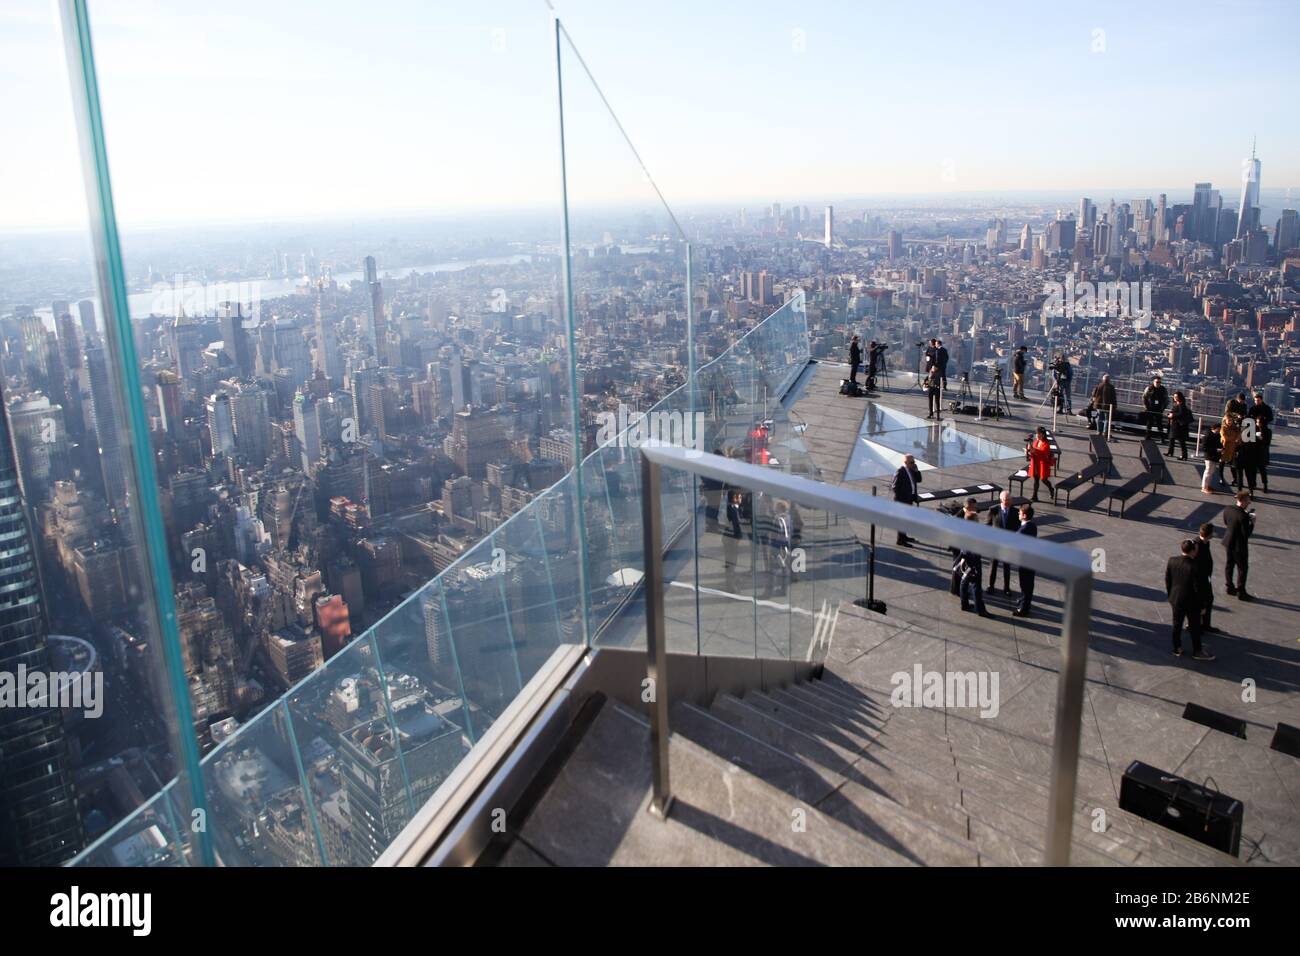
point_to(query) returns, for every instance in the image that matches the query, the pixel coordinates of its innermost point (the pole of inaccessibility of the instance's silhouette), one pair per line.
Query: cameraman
(875, 356)
(1064, 373)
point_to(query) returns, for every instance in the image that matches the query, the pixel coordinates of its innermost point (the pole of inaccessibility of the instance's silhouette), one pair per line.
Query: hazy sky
(262, 110)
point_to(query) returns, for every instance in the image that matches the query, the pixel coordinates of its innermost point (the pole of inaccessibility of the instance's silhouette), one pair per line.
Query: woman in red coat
(1040, 461)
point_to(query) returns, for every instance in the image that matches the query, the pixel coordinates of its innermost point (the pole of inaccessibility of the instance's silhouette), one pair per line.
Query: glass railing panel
(86, 594)
(359, 780)
(156, 834)
(259, 813)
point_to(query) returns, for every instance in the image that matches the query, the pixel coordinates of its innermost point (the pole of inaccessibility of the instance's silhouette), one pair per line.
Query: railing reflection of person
(972, 593)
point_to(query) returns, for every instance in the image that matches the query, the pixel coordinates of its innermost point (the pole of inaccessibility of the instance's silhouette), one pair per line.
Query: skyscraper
(39, 821)
(830, 226)
(1249, 205)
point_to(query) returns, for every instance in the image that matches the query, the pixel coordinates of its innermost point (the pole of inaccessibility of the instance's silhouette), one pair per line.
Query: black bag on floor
(852, 389)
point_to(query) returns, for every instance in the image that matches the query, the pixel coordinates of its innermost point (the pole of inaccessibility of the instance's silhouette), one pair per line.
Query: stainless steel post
(655, 636)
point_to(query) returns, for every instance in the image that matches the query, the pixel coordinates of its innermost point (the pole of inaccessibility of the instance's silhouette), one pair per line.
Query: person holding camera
(1064, 373)
(875, 356)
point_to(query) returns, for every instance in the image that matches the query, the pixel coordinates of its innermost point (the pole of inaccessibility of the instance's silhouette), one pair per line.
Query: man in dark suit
(1205, 576)
(855, 359)
(1184, 598)
(1003, 516)
(905, 488)
(1239, 524)
(1029, 527)
(941, 362)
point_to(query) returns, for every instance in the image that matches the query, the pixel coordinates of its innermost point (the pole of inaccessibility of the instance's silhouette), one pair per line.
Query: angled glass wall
(383, 396)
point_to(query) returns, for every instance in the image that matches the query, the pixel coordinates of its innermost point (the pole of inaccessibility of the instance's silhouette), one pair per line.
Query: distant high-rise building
(895, 239)
(39, 821)
(306, 430)
(1087, 214)
(829, 226)
(1161, 232)
(1248, 208)
(1286, 235)
(106, 415)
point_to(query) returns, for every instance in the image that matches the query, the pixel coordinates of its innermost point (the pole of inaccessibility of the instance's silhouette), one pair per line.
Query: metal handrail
(1069, 565)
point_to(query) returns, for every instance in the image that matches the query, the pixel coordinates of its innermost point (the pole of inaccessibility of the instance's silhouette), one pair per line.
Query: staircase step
(876, 817)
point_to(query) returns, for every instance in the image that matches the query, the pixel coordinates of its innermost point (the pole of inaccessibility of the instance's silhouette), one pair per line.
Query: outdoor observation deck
(944, 785)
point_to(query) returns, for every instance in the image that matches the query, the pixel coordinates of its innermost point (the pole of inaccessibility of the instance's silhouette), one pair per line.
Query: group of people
(1189, 575)
(775, 528)
(967, 566)
(1243, 448)
(874, 357)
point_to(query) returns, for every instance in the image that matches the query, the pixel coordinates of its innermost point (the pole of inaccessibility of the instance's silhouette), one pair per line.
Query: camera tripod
(882, 372)
(998, 397)
(1054, 393)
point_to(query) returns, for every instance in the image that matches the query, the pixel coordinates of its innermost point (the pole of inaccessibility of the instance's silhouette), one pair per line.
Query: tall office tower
(1087, 214)
(1161, 233)
(106, 415)
(69, 341)
(327, 346)
(221, 426)
(86, 313)
(235, 340)
(1200, 202)
(290, 351)
(169, 400)
(1101, 239)
(377, 333)
(39, 821)
(1026, 239)
(306, 431)
(251, 420)
(33, 336)
(895, 245)
(1210, 229)
(830, 226)
(1249, 205)
(1286, 234)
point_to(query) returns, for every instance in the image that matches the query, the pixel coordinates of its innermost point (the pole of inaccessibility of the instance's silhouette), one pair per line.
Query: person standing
(1018, 373)
(1154, 401)
(1205, 575)
(855, 359)
(1180, 421)
(972, 594)
(1104, 400)
(1236, 406)
(1003, 516)
(1230, 442)
(1065, 375)
(934, 393)
(1028, 526)
(905, 488)
(1239, 525)
(1262, 412)
(1040, 462)
(732, 535)
(1212, 449)
(941, 362)
(1184, 599)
